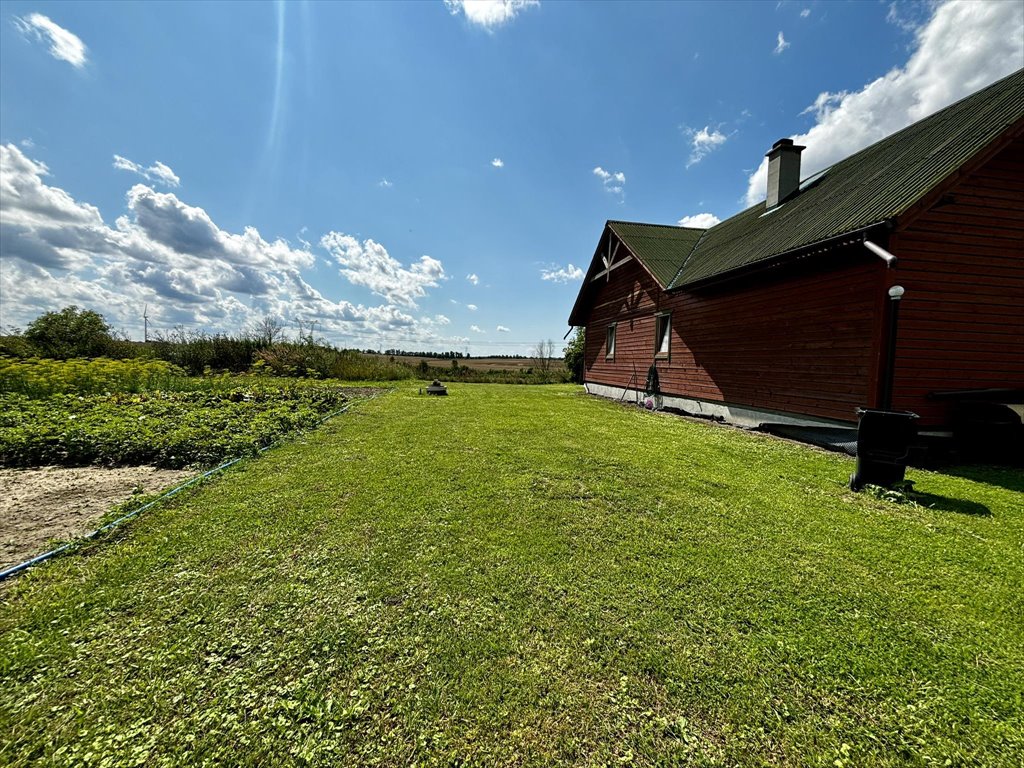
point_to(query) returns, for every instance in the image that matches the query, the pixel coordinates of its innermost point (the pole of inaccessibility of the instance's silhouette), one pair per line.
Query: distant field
(480, 363)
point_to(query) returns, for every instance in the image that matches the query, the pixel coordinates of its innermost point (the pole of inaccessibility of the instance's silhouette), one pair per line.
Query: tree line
(74, 333)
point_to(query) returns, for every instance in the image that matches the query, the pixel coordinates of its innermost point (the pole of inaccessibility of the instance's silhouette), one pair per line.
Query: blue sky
(422, 175)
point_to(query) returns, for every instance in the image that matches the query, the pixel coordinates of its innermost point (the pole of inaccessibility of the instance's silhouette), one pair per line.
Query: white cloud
(27, 143)
(502, 329)
(472, 307)
(962, 48)
(613, 181)
(64, 45)
(805, 13)
(473, 278)
(42, 224)
(173, 257)
(489, 14)
(498, 162)
(562, 274)
(385, 184)
(780, 45)
(699, 220)
(703, 143)
(368, 264)
(909, 16)
(476, 329)
(157, 172)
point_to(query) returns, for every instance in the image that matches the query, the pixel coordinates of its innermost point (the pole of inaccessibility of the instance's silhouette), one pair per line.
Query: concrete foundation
(740, 415)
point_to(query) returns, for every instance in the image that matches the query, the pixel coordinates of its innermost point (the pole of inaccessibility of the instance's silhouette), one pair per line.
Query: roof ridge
(908, 128)
(877, 183)
(686, 261)
(651, 224)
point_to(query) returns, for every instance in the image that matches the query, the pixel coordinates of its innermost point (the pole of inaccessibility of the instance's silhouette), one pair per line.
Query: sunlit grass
(528, 576)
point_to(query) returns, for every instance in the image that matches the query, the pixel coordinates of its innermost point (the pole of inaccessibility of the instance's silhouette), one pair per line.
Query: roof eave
(787, 257)
(576, 307)
(1013, 131)
(575, 317)
(638, 260)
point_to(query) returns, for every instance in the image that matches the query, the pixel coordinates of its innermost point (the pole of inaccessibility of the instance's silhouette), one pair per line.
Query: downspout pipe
(895, 295)
(886, 256)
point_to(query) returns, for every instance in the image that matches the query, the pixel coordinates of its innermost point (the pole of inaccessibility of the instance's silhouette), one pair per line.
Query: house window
(662, 334)
(609, 347)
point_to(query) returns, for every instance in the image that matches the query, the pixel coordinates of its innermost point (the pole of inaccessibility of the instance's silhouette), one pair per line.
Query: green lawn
(528, 576)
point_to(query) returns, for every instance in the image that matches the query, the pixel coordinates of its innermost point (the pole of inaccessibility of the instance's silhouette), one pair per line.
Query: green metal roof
(871, 187)
(658, 247)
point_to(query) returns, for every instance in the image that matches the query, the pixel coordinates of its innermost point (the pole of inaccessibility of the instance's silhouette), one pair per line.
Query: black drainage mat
(841, 439)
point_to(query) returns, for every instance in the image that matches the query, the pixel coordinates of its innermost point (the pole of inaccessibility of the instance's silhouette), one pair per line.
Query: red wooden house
(781, 313)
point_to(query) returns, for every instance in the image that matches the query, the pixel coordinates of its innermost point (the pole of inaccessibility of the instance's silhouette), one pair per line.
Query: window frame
(609, 341)
(659, 353)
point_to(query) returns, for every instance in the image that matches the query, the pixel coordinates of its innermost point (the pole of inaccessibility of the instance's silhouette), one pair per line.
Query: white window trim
(610, 336)
(659, 353)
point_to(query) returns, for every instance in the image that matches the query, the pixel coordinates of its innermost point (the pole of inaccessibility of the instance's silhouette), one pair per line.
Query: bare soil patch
(39, 505)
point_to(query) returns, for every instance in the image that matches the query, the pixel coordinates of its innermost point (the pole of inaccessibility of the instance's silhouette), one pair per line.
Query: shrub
(575, 354)
(72, 332)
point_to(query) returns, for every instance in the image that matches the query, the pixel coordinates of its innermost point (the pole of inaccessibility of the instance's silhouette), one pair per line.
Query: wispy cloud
(503, 329)
(562, 274)
(498, 162)
(805, 13)
(64, 45)
(385, 184)
(476, 329)
(704, 142)
(472, 307)
(699, 220)
(909, 17)
(368, 264)
(473, 278)
(941, 69)
(489, 14)
(613, 181)
(780, 44)
(158, 172)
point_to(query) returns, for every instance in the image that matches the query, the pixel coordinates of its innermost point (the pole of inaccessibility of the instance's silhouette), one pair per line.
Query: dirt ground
(38, 505)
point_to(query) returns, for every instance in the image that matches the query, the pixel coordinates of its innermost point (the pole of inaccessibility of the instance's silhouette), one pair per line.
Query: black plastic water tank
(884, 439)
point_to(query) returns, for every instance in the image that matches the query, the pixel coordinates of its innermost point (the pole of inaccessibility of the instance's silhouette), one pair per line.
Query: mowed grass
(529, 576)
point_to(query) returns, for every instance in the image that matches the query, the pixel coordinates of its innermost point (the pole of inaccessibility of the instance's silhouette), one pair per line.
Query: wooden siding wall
(961, 323)
(799, 342)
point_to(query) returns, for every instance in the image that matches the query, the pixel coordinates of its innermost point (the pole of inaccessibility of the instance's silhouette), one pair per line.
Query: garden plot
(80, 437)
(61, 503)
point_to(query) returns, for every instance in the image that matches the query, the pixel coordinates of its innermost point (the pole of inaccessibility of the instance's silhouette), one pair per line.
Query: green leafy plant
(898, 493)
(72, 332)
(168, 429)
